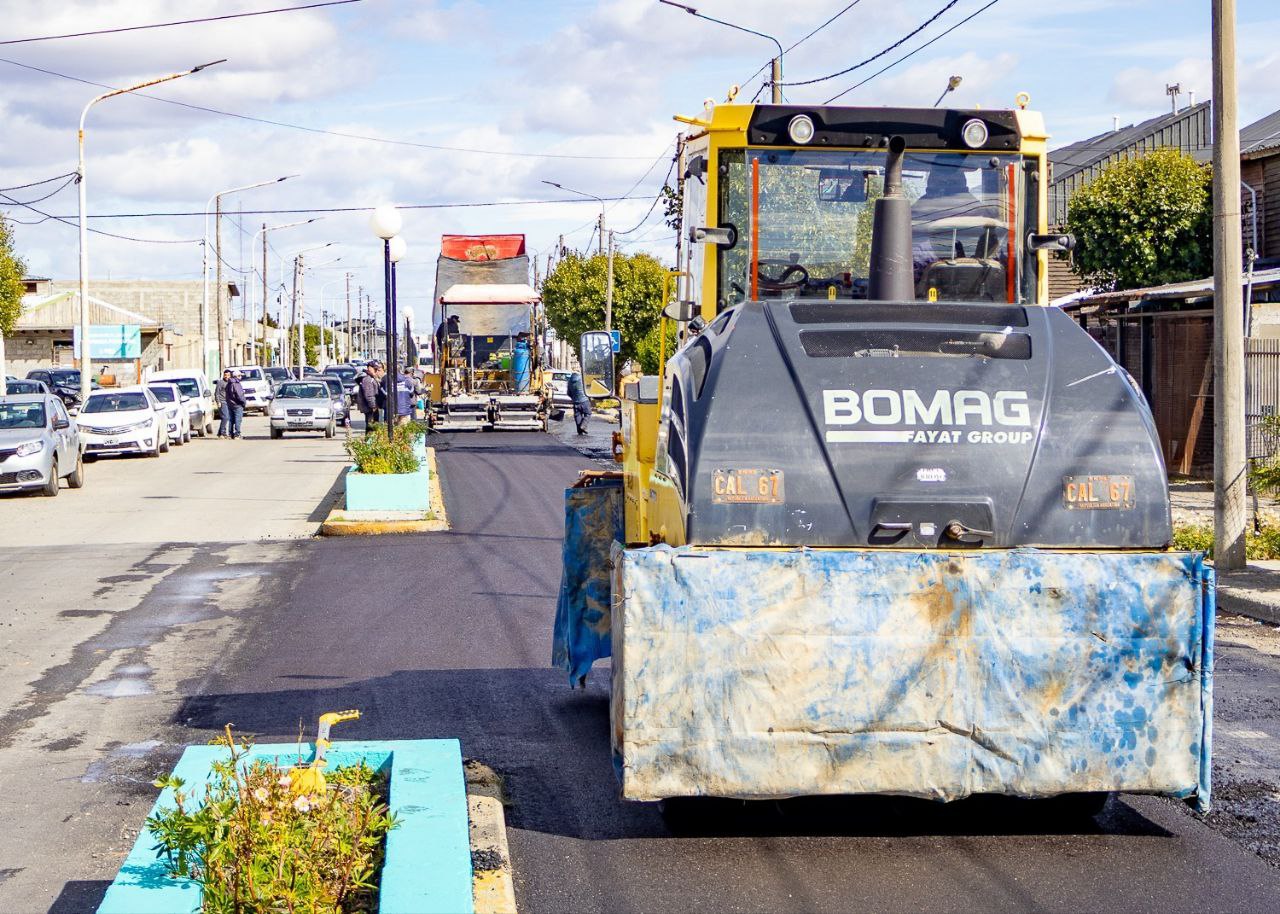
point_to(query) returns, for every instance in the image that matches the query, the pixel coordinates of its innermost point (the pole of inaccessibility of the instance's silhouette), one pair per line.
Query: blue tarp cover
(767, 673)
(593, 521)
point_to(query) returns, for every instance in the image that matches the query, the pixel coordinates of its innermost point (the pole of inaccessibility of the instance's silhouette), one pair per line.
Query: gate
(1262, 395)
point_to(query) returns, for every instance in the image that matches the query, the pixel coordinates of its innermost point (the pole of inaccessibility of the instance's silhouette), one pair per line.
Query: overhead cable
(805, 38)
(338, 133)
(897, 44)
(911, 54)
(165, 25)
(67, 221)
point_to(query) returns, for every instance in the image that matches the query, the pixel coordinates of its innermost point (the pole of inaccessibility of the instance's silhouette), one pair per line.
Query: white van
(193, 384)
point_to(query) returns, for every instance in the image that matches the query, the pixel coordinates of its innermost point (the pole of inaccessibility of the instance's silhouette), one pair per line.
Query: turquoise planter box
(428, 863)
(391, 492)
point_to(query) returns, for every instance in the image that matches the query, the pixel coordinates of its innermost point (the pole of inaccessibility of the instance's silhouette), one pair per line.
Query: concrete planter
(428, 862)
(391, 492)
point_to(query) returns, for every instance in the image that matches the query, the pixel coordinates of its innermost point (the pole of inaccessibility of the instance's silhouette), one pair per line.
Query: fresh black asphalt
(448, 635)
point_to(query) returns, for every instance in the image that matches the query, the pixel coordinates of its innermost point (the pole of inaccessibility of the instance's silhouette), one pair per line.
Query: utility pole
(217, 289)
(775, 79)
(1229, 476)
(300, 312)
(600, 225)
(608, 292)
(348, 318)
(293, 315)
(265, 355)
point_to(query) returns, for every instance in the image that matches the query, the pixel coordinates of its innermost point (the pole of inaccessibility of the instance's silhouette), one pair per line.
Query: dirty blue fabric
(593, 521)
(772, 673)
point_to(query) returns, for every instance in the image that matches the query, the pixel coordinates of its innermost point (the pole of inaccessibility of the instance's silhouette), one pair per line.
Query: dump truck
(490, 338)
(885, 522)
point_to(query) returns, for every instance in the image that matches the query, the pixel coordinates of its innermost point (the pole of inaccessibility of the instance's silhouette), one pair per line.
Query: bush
(1263, 543)
(257, 846)
(377, 455)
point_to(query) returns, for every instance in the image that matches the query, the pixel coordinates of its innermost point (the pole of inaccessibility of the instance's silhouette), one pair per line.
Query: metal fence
(1262, 396)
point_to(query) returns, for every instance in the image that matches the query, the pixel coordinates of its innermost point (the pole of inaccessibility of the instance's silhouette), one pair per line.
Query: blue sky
(597, 78)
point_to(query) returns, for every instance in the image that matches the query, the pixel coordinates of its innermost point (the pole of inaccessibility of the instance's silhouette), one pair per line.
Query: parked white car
(122, 420)
(193, 384)
(258, 389)
(38, 444)
(173, 402)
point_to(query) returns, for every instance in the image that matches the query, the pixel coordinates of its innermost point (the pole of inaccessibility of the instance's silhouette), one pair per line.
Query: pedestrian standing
(236, 402)
(581, 403)
(220, 400)
(367, 396)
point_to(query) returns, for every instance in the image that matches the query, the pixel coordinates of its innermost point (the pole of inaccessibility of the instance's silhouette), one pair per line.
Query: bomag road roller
(886, 522)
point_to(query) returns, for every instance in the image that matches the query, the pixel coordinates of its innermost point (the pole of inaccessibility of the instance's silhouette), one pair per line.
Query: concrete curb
(339, 524)
(1242, 603)
(492, 881)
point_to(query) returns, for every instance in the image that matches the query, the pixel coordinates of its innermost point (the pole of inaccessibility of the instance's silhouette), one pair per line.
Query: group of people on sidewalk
(229, 396)
(375, 387)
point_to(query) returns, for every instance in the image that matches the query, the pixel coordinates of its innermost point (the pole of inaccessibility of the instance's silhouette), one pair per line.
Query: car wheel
(208, 430)
(154, 452)
(277, 433)
(179, 441)
(75, 479)
(50, 487)
(164, 443)
(186, 436)
(330, 429)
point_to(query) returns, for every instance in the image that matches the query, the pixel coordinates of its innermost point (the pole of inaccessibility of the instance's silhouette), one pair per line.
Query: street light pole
(386, 224)
(86, 359)
(1229, 458)
(215, 202)
(608, 295)
(776, 66)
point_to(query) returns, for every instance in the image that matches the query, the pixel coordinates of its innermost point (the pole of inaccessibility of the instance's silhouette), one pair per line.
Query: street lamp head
(398, 248)
(552, 183)
(680, 6)
(205, 66)
(286, 178)
(386, 221)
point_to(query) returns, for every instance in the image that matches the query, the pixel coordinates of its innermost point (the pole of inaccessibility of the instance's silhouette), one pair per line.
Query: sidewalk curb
(1243, 605)
(338, 524)
(492, 880)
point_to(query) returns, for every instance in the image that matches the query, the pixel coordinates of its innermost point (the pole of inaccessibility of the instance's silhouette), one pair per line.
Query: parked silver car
(39, 444)
(303, 406)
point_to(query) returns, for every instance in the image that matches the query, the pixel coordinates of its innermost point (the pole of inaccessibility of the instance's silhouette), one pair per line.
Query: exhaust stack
(891, 275)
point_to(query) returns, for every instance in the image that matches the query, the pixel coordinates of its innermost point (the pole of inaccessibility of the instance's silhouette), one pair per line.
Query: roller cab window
(803, 223)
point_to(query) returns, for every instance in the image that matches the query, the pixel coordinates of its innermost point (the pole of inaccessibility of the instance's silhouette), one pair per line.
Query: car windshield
(189, 386)
(278, 374)
(163, 394)
(803, 222)
(335, 386)
(249, 374)
(115, 403)
(69, 377)
(22, 415)
(347, 374)
(303, 392)
(24, 387)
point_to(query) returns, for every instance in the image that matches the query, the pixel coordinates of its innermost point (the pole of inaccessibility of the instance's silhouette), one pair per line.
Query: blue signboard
(617, 340)
(111, 341)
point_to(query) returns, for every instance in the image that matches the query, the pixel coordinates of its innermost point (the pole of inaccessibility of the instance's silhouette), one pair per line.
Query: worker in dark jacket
(367, 395)
(581, 402)
(236, 402)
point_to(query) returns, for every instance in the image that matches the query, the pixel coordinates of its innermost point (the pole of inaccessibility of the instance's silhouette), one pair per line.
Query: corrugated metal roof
(1080, 155)
(1261, 135)
(1196, 288)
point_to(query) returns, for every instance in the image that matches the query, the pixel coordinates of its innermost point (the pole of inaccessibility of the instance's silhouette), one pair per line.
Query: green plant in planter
(257, 846)
(377, 454)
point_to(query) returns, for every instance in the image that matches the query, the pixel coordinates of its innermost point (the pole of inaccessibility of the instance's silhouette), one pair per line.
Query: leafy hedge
(377, 455)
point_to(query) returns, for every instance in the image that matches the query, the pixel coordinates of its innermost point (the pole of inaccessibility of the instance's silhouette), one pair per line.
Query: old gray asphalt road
(448, 635)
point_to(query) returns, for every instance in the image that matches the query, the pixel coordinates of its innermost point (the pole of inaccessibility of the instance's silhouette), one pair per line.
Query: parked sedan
(64, 382)
(173, 402)
(338, 393)
(15, 386)
(39, 444)
(195, 385)
(125, 420)
(303, 406)
(347, 374)
(257, 387)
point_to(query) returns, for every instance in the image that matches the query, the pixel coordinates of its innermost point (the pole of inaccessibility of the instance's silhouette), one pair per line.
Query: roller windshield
(804, 220)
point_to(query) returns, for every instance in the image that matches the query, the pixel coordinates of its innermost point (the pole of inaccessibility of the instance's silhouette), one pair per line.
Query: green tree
(1144, 222)
(311, 342)
(12, 270)
(649, 351)
(573, 296)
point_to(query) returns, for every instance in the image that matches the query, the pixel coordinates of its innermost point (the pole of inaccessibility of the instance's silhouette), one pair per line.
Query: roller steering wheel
(792, 278)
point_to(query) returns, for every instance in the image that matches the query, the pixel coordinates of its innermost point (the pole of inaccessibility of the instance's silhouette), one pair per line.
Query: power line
(57, 190)
(897, 44)
(911, 54)
(654, 204)
(321, 131)
(67, 221)
(165, 25)
(70, 174)
(340, 209)
(805, 38)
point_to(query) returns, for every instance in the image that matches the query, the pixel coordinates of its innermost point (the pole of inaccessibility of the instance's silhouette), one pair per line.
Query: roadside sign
(111, 341)
(617, 340)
